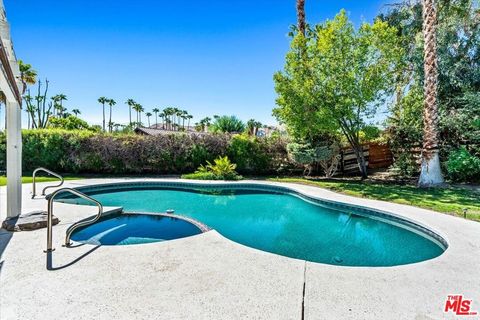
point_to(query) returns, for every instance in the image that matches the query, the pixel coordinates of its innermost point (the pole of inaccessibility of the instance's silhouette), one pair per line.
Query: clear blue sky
(208, 57)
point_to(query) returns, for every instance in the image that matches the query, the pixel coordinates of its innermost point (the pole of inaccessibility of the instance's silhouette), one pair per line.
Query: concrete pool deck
(211, 277)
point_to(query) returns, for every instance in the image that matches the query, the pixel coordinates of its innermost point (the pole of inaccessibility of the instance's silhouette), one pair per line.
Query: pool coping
(200, 225)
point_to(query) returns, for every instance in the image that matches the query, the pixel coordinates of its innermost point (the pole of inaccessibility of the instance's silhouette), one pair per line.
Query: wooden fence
(376, 156)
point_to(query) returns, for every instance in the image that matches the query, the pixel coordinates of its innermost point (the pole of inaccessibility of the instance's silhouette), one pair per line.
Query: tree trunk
(301, 16)
(103, 106)
(110, 127)
(130, 114)
(431, 173)
(362, 165)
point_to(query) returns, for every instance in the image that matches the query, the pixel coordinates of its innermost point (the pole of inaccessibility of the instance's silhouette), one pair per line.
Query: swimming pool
(281, 221)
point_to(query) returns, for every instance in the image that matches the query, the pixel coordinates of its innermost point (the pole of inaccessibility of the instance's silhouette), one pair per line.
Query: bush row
(91, 152)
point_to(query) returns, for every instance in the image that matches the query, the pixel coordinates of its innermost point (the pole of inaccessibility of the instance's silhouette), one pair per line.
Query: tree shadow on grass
(451, 200)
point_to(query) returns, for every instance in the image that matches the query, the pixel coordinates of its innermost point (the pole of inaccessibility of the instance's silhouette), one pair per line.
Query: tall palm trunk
(301, 16)
(431, 173)
(103, 106)
(110, 127)
(130, 114)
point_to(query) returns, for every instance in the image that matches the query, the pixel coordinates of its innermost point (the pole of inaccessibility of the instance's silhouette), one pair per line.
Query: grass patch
(3, 179)
(446, 200)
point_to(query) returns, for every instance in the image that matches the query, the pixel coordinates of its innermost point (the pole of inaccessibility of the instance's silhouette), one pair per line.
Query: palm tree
(156, 111)
(138, 107)
(431, 172)
(27, 75)
(130, 103)
(189, 117)
(228, 124)
(168, 123)
(148, 114)
(111, 103)
(76, 112)
(205, 123)
(168, 113)
(103, 100)
(174, 116)
(183, 115)
(60, 98)
(301, 16)
(162, 116)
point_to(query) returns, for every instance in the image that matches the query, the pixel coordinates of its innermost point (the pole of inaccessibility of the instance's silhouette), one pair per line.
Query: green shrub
(463, 166)
(305, 154)
(221, 169)
(249, 153)
(405, 165)
(226, 124)
(81, 151)
(69, 123)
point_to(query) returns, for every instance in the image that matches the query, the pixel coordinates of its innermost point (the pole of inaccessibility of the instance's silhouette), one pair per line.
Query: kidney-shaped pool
(273, 219)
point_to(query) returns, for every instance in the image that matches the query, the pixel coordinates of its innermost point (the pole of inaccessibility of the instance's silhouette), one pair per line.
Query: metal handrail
(73, 226)
(34, 189)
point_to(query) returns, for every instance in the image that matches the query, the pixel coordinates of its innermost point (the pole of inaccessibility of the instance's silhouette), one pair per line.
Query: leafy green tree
(227, 124)
(335, 78)
(76, 112)
(69, 123)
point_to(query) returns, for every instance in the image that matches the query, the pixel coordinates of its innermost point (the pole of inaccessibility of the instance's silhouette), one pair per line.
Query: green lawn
(3, 179)
(447, 200)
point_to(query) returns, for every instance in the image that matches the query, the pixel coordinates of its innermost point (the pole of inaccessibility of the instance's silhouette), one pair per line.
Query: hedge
(91, 152)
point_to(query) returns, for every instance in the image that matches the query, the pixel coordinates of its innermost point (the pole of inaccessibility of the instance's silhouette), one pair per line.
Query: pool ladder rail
(34, 175)
(74, 226)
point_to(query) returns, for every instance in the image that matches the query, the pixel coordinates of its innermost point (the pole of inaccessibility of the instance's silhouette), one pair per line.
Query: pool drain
(337, 259)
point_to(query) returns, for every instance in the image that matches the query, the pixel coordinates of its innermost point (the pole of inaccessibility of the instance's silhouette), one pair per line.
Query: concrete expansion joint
(304, 285)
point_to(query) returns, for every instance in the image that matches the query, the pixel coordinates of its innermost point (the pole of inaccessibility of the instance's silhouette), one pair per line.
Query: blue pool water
(275, 222)
(135, 229)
